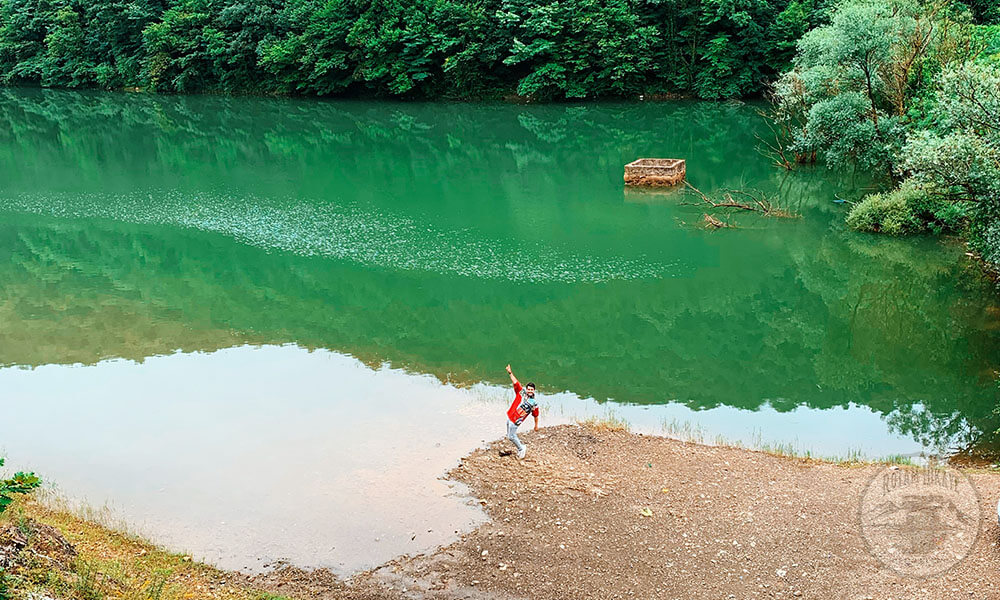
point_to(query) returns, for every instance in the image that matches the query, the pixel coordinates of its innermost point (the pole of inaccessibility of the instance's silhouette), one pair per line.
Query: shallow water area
(309, 457)
(292, 460)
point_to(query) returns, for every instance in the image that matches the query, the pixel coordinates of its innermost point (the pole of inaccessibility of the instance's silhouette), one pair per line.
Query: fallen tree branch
(713, 223)
(749, 201)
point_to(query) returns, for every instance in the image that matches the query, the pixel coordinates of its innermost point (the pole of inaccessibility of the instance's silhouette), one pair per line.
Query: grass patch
(897, 459)
(115, 564)
(786, 449)
(856, 457)
(609, 422)
(684, 430)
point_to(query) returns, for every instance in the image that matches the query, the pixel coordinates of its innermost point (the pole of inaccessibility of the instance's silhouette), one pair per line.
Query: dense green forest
(545, 49)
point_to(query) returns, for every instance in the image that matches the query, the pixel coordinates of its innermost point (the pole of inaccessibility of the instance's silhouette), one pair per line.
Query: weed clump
(609, 422)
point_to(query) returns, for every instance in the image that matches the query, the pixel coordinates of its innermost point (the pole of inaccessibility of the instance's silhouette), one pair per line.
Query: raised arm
(511, 373)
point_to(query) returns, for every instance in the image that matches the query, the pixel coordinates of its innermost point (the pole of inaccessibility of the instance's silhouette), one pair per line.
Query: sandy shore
(598, 513)
(602, 513)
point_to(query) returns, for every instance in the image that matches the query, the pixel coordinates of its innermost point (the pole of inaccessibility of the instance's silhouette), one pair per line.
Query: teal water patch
(370, 238)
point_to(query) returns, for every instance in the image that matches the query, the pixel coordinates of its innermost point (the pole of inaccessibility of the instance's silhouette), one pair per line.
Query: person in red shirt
(523, 405)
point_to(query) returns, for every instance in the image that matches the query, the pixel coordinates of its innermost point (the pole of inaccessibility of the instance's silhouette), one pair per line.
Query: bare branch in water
(775, 151)
(786, 118)
(713, 223)
(753, 201)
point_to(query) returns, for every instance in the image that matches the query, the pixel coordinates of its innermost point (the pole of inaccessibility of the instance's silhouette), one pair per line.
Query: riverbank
(50, 552)
(597, 512)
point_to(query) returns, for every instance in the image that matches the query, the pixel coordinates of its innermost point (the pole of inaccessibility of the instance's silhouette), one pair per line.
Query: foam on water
(344, 232)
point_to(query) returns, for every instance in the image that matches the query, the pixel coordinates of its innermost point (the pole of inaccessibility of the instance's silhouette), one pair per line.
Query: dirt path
(608, 514)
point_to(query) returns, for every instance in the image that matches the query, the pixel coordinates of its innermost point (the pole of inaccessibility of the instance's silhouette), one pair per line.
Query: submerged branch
(750, 201)
(713, 223)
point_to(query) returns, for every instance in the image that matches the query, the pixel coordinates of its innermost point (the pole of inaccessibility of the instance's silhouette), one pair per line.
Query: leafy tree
(243, 28)
(785, 31)
(314, 56)
(907, 88)
(959, 164)
(22, 39)
(69, 43)
(577, 48)
(842, 64)
(986, 12)
(959, 156)
(66, 61)
(399, 46)
(849, 134)
(210, 45)
(177, 53)
(114, 39)
(850, 96)
(474, 66)
(733, 54)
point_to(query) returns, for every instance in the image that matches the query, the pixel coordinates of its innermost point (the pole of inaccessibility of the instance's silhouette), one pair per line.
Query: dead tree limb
(713, 223)
(752, 201)
(775, 151)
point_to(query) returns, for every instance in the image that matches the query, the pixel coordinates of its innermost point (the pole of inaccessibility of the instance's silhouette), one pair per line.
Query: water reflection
(248, 456)
(138, 225)
(254, 454)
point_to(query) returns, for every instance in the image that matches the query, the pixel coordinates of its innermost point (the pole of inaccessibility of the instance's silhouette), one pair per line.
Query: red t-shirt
(521, 407)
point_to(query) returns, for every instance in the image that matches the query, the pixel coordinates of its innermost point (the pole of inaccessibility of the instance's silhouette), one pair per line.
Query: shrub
(908, 209)
(933, 212)
(883, 213)
(944, 216)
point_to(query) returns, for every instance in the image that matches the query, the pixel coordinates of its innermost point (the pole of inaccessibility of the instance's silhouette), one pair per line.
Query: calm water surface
(443, 241)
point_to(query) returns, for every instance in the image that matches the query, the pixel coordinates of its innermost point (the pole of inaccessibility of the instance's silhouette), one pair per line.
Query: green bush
(934, 213)
(942, 216)
(20, 483)
(908, 209)
(883, 213)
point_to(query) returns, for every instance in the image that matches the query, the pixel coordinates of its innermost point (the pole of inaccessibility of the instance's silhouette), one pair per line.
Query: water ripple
(345, 232)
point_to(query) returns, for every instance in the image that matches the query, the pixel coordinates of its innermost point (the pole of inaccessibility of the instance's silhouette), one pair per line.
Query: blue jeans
(512, 435)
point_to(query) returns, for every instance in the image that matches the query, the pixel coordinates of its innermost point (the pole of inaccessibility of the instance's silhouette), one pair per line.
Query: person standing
(523, 405)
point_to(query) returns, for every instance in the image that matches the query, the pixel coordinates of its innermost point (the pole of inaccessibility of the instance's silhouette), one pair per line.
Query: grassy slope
(111, 564)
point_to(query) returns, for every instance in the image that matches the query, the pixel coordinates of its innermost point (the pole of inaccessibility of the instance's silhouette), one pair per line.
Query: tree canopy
(544, 49)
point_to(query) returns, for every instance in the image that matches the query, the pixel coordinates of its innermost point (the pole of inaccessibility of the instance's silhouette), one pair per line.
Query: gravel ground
(596, 513)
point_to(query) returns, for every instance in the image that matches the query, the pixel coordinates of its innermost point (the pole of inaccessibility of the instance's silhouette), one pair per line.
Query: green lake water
(451, 239)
